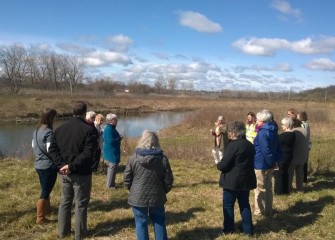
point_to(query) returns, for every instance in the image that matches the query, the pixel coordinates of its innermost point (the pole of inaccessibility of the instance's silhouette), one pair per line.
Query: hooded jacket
(267, 147)
(148, 177)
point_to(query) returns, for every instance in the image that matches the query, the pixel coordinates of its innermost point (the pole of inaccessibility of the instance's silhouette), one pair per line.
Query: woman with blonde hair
(149, 178)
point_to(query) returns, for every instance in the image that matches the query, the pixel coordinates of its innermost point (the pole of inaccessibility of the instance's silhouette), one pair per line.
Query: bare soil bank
(27, 108)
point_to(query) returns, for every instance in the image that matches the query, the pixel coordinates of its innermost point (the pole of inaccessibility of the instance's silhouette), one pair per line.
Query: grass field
(194, 207)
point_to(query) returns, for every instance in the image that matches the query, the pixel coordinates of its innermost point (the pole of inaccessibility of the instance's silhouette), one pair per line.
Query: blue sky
(264, 45)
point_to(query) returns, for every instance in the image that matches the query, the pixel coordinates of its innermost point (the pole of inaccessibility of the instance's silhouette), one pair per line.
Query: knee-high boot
(40, 205)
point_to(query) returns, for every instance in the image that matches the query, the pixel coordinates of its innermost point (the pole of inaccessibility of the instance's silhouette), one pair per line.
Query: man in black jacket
(72, 149)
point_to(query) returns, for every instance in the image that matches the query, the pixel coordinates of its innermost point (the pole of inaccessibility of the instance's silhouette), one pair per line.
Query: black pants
(96, 160)
(281, 179)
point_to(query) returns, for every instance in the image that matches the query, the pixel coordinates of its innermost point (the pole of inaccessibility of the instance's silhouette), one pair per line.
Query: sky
(261, 45)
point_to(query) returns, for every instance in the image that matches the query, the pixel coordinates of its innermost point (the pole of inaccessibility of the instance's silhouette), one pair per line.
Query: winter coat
(112, 144)
(148, 177)
(267, 147)
(287, 140)
(301, 146)
(237, 166)
(74, 143)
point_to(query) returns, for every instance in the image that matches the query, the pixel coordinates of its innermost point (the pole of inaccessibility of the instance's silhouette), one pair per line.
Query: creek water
(15, 139)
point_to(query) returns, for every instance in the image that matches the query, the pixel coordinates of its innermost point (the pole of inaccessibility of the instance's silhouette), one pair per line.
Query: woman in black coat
(237, 179)
(286, 139)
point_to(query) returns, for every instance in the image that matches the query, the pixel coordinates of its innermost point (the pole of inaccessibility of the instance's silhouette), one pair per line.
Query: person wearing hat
(220, 134)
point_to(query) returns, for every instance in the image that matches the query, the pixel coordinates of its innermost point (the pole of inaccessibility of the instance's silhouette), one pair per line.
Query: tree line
(47, 70)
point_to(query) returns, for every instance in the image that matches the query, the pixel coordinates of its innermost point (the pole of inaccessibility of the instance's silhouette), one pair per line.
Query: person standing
(90, 119)
(111, 149)
(148, 177)
(237, 179)
(268, 154)
(45, 168)
(72, 148)
(250, 126)
(303, 117)
(286, 139)
(220, 134)
(97, 123)
(300, 157)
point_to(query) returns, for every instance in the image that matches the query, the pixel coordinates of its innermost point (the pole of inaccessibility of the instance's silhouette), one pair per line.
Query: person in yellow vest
(250, 126)
(220, 134)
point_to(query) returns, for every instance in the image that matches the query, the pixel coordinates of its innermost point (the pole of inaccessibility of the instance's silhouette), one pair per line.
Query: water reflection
(15, 139)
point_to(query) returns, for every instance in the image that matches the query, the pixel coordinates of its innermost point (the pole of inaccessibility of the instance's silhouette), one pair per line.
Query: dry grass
(194, 207)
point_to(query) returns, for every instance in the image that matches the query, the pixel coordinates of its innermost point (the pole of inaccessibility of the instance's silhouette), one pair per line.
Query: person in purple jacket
(268, 154)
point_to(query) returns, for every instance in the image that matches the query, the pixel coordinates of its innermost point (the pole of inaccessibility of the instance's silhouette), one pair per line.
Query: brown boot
(41, 212)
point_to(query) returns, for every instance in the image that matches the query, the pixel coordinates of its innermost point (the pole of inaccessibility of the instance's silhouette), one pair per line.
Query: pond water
(15, 139)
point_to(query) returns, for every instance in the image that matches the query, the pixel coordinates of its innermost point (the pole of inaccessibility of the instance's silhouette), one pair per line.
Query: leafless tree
(72, 70)
(159, 85)
(171, 83)
(13, 62)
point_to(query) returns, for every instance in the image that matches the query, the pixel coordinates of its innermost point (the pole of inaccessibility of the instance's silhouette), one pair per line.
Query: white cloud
(323, 64)
(99, 59)
(260, 46)
(269, 46)
(198, 22)
(279, 67)
(285, 8)
(119, 43)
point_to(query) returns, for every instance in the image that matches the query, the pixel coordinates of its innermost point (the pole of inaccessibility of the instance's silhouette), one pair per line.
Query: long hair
(149, 140)
(47, 118)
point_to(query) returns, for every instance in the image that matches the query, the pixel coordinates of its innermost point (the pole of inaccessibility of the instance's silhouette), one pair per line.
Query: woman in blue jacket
(111, 149)
(268, 154)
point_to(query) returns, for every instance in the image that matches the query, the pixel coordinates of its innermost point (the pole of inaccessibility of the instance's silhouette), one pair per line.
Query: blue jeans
(157, 216)
(47, 179)
(229, 198)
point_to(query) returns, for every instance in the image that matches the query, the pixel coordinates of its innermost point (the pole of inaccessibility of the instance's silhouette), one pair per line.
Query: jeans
(157, 216)
(75, 188)
(229, 198)
(47, 179)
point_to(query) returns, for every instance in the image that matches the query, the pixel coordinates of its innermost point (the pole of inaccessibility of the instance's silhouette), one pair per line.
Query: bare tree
(159, 85)
(53, 70)
(72, 71)
(13, 61)
(171, 83)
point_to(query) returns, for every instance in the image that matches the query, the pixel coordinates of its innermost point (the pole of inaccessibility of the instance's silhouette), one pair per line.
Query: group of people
(73, 151)
(254, 154)
(248, 155)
